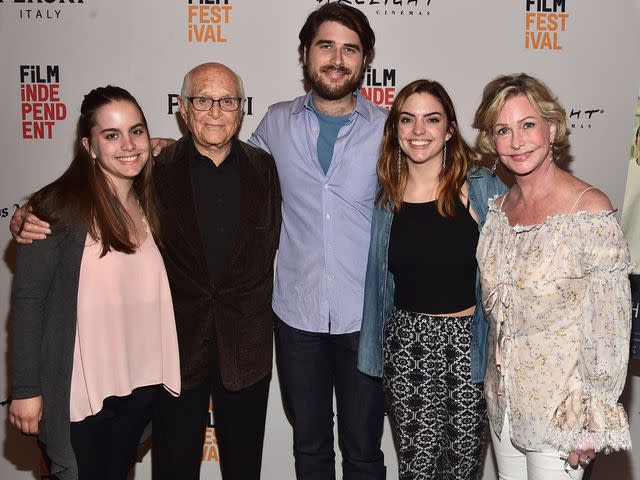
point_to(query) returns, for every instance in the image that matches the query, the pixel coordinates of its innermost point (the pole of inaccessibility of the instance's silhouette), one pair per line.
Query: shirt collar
(361, 105)
(196, 158)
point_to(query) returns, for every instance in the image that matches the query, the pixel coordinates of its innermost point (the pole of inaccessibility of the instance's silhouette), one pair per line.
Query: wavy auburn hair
(86, 192)
(460, 156)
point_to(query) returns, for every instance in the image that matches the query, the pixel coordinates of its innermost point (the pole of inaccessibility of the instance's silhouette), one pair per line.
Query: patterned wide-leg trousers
(439, 415)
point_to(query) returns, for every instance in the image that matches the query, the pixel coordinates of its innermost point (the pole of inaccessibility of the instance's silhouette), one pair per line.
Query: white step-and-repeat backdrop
(55, 51)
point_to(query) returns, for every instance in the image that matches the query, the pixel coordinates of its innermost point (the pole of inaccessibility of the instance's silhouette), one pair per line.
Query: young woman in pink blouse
(94, 337)
(554, 272)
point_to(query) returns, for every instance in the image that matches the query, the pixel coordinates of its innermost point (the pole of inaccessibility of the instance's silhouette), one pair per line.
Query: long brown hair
(86, 193)
(460, 156)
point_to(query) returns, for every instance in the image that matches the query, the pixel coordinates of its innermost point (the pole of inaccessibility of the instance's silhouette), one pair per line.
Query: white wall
(143, 46)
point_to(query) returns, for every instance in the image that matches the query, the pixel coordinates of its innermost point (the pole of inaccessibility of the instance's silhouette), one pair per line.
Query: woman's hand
(581, 457)
(25, 414)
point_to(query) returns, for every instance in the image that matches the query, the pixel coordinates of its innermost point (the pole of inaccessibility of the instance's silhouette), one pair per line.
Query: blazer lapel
(178, 193)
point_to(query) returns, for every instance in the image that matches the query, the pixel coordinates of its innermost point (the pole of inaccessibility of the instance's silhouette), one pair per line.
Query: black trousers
(105, 444)
(179, 425)
(311, 366)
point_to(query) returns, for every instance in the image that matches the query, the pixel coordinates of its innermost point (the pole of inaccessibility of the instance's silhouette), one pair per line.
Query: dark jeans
(310, 366)
(179, 425)
(105, 444)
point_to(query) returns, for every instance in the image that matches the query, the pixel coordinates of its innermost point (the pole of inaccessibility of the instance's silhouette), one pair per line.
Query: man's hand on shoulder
(158, 144)
(26, 227)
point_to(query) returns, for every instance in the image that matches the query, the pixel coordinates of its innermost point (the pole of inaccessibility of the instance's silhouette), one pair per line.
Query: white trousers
(517, 464)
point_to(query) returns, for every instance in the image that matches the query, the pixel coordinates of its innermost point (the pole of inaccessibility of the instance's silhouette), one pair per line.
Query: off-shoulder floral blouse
(558, 303)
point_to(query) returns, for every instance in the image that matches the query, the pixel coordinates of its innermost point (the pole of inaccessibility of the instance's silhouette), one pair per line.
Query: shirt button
(326, 186)
(314, 130)
(327, 216)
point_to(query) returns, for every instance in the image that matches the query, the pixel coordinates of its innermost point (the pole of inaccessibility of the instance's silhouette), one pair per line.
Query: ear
(552, 131)
(450, 130)
(87, 147)
(183, 108)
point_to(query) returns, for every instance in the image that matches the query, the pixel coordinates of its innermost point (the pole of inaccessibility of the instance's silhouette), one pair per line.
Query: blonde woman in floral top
(554, 271)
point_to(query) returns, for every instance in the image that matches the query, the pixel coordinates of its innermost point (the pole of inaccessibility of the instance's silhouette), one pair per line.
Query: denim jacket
(379, 284)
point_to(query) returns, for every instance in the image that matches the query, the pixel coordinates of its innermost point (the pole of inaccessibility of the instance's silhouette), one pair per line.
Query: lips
(522, 156)
(336, 70)
(128, 159)
(419, 143)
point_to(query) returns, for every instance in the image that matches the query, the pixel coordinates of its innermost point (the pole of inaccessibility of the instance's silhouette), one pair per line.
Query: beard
(329, 91)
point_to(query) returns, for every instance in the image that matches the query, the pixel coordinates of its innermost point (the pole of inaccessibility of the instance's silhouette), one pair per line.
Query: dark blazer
(236, 312)
(44, 313)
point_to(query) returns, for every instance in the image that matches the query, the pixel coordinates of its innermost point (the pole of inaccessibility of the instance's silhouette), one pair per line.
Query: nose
(419, 126)
(215, 111)
(517, 139)
(127, 143)
(337, 56)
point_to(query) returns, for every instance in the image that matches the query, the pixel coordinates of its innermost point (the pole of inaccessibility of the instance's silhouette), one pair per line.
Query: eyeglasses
(227, 104)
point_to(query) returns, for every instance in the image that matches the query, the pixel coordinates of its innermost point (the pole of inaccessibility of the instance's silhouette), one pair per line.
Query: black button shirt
(216, 191)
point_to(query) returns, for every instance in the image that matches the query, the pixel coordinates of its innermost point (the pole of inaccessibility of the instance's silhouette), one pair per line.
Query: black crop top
(433, 258)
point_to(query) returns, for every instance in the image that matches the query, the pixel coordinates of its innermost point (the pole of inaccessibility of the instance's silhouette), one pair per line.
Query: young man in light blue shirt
(326, 145)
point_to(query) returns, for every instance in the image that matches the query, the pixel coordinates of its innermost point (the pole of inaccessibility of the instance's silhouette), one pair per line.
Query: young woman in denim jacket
(423, 329)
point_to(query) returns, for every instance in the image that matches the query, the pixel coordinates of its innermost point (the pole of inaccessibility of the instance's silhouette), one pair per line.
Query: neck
(123, 190)
(335, 108)
(540, 183)
(422, 181)
(216, 154)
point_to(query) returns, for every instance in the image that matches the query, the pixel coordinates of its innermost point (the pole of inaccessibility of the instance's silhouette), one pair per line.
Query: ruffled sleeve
(591, 416)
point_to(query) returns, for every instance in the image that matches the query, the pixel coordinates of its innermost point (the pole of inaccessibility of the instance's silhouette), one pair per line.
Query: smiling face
(522, 136)
(212, 130)
(423, 128)
(119, 141)
(334, 62)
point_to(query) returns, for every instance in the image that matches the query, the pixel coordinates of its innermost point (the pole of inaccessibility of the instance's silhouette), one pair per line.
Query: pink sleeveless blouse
(125, 334)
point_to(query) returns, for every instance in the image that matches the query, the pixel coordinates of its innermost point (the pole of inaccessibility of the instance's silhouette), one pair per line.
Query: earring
(444, 156)
(399, 161)
(495, 165)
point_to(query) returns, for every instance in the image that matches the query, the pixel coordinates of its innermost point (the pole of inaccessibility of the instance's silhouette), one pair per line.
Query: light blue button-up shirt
(326, 219)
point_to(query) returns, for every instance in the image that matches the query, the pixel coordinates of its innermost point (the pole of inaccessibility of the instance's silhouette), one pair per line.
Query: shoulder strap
(575, 204)
(503, 199)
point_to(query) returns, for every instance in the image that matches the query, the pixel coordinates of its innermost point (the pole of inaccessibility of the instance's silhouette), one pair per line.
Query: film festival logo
(379, 86)
(207, 19)
(41, 9)
(411, 8)
(40, 106)
(6, 212)
(210, 449)
(545, 24)
(583, 117)
(173, 108)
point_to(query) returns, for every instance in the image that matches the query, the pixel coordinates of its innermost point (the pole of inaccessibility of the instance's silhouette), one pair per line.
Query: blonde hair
(501, 89)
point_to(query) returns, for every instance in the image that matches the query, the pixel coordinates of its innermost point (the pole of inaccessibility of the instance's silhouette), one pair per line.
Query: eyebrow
(137, 125)
(425, 115)
(530, 117)
(331, 42)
